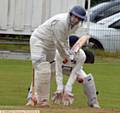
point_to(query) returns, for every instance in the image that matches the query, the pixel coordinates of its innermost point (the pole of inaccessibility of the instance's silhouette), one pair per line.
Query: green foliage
(94, 2)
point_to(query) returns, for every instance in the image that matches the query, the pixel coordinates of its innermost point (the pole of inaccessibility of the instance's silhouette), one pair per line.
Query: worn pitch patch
(19, 111)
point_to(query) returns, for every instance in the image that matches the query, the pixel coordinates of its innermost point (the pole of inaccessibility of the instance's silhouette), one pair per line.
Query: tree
(94, 2)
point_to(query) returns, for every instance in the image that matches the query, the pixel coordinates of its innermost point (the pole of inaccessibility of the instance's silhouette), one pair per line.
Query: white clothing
(53, 34)
(44, 41)
(48, 37)
(77, 71)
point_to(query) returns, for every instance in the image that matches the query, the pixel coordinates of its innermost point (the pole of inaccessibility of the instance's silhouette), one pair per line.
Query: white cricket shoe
(94, 106)
(30, 103)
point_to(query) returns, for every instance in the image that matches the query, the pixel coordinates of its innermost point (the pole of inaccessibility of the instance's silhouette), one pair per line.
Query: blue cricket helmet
(79, 12)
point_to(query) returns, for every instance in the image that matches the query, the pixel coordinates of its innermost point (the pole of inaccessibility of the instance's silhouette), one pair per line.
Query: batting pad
(90, 89)
(42, 81)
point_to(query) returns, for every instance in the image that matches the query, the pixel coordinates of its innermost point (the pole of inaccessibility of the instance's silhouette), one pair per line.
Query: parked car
(105, 34)
(104, 9)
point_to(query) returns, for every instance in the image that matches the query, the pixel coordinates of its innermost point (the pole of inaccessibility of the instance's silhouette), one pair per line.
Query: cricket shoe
(94, 106)
(30, 103)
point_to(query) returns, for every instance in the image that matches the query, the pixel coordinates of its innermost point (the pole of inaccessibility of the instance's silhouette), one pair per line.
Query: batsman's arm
(59, 38)
(82, 40)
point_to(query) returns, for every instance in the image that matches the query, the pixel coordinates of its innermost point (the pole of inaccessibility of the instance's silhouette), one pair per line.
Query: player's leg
(44, 78)
(42, 71)
(89, 88)
(42, 82)
(90, 91)
(88, 83)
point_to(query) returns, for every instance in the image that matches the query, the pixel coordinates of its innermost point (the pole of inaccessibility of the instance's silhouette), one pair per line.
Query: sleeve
(60, 39)
(59, 74)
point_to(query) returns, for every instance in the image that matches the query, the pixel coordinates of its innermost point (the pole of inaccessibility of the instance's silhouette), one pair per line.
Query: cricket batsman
(52, 35)
(63, 94)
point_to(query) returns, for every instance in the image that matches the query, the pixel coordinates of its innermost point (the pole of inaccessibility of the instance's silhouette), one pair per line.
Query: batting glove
(57, 97)
(71, 54)
(65, 61)
(68, 98)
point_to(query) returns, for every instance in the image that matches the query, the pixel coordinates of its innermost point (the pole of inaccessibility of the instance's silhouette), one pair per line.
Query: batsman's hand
(57, 97)
(68, 98)
(72, 54)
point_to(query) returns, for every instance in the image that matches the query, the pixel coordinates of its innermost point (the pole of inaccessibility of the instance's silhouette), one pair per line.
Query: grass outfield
(15, 77)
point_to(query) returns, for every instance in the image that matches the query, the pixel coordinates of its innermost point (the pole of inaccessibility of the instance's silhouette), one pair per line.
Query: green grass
(103, 54)
(14, 80)
(15, 77)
